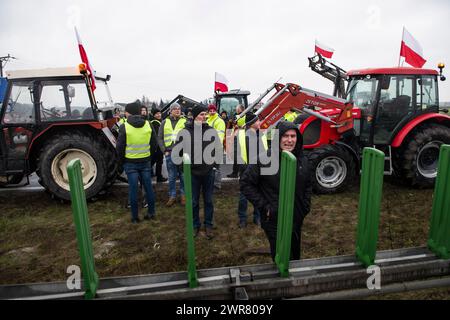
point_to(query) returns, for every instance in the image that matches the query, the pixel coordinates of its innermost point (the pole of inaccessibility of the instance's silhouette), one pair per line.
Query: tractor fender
(95, 125)
(352, 151)
(429, 117)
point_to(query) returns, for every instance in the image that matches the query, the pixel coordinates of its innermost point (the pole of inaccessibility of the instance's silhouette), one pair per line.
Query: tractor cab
(390, 98)
(227, 101)
(53, 110)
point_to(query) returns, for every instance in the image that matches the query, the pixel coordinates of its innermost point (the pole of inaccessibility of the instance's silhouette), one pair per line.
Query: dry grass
(37, 235)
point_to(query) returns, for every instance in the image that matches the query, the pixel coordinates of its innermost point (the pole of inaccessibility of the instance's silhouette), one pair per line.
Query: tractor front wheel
(60, 150)
(333, 169)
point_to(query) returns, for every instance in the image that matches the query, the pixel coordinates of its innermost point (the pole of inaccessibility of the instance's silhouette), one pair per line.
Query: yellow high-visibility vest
(290, 116)
(170, 134)
(241, 122)
(218, 124)
(122, 121)
(242, 143)
(138, 141)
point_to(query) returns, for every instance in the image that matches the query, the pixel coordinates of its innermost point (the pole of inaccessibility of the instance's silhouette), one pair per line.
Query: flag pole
(401, 44)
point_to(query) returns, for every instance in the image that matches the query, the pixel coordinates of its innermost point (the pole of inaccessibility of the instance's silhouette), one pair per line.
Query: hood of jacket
(136, 121)
(285, 126)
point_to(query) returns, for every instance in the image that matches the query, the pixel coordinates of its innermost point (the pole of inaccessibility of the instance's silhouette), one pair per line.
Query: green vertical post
(192, 271)
(81, 220)
(285, 212)
(439, 235)
(371, 189)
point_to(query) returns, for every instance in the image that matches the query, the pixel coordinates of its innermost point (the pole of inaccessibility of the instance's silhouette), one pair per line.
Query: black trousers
(270, 230)
(158, 159)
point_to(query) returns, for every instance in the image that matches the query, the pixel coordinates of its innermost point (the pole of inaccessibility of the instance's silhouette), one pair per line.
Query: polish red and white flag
(85, 60)
(221, 83)
(411, 50)
(324, 50)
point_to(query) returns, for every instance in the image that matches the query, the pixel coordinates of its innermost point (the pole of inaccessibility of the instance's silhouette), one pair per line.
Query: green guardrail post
(439, 235)
(192, 271)
(285, 212)
(371, 189)
(81, 220)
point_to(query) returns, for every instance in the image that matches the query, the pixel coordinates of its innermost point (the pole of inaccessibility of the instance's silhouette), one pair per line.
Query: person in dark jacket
(136, 142)
(201, 171)
(157, 157)
(263, 190)
(249, 135)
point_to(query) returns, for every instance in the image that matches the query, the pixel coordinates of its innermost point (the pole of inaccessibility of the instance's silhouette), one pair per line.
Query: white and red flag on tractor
(411, 50)
(221, 83)
(324, 50)
(85, 60)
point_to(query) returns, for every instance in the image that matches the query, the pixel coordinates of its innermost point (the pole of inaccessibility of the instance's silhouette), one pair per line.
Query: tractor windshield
(362, 92)
(102, 95)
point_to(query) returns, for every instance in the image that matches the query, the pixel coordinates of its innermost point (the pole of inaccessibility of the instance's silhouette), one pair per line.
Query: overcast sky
(164, 48)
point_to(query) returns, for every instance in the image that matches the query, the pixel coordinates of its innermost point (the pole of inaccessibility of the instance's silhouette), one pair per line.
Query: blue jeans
(206, 185)
(242, 210)
(174, 172)
(139, 171)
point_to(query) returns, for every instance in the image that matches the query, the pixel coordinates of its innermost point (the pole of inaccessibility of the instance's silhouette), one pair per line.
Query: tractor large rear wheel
(419, 155)
(60, 150)
(332, 169)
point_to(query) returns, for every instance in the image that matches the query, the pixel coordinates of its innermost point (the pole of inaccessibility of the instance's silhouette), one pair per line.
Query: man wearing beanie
(202, 173)
(217, 123)
(135, 145)
(167, 135)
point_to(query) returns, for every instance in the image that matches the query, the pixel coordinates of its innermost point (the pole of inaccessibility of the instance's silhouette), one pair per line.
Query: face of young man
(201, 117)
(288, 140)
(157, 116)
(212, 112)
(144, 112)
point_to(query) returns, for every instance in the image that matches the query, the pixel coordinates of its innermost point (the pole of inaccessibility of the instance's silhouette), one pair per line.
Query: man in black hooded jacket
(263, 190)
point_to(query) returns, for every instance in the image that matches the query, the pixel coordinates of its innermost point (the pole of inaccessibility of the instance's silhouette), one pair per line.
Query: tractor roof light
(82, 68)
(441, 66)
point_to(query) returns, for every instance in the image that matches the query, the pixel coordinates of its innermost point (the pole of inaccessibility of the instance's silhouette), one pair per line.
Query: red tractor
(51, 116)
(395, 110)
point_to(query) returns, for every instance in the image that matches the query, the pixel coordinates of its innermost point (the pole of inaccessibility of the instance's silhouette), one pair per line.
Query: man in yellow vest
(239, 124)
(135, 144)
(290, 115)
(217, 123)
(250, 134)
(170, 127)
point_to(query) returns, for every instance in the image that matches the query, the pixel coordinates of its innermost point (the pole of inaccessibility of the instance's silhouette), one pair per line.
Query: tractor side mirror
(71, 91)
